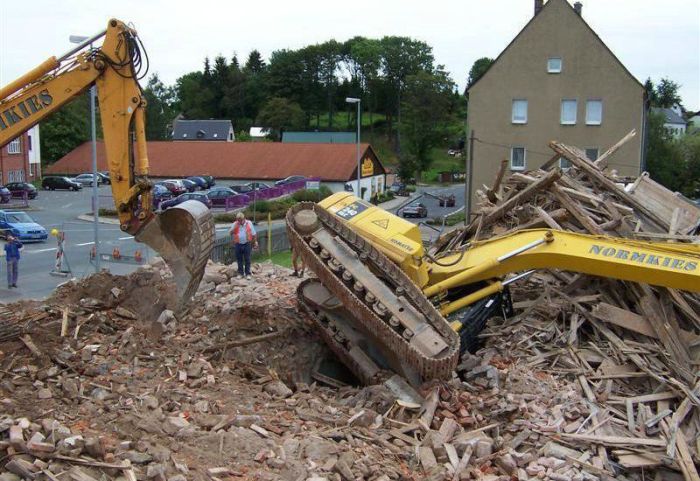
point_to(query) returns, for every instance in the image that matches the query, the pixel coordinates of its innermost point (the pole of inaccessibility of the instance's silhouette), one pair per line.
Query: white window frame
(512, 111)
(594, 122)
(597, 150)
(15, 146)
(549, 66)
(31, 169)
(568, 122)
(512, 152)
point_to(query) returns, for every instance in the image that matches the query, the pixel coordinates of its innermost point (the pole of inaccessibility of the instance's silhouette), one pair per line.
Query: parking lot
(60, 209)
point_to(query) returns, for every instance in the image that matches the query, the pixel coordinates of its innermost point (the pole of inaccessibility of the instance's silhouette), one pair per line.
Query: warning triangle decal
(384, 223)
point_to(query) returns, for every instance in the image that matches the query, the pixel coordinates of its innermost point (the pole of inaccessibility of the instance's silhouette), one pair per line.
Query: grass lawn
(283, 258)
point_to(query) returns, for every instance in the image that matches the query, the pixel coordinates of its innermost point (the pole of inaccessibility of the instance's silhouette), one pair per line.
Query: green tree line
(408, 98)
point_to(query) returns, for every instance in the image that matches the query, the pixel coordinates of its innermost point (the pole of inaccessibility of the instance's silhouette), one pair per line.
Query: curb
(100, 220)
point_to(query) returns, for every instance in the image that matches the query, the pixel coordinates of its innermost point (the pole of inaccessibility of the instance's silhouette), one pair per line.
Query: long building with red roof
(334, 164)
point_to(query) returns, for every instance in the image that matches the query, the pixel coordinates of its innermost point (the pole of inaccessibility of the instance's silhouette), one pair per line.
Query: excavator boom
(184, 235)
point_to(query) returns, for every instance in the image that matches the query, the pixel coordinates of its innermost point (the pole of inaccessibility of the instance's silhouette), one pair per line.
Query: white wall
(35, 152)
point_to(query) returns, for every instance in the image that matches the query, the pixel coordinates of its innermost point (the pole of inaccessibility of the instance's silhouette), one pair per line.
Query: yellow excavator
(383, 304)
(183, 235)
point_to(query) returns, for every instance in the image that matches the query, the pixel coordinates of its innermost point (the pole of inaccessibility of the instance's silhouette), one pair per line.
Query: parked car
(415, 210)
(53, 183)
(201, 182)
(447, 200)
(20, 225)
(211, 182)
(290, 179)
(190, 185)
(218, 196)
(257, 185)
(86, 179)
(236, 188)
(201, 197)
(19, 188)
(399, 189)
(105, 177)
(160, 193)
(5, 195)
(175, 188)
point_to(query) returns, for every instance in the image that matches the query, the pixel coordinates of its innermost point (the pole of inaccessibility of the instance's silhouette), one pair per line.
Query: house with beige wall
(556, 80)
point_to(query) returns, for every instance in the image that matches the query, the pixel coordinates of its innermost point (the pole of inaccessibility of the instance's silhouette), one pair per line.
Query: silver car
(86, 179)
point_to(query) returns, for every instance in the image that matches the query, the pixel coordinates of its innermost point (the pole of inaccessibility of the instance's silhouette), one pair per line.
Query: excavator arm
(383, 293)
(182, 236)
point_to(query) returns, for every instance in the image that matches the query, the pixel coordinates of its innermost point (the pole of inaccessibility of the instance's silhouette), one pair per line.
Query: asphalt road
(60, 209)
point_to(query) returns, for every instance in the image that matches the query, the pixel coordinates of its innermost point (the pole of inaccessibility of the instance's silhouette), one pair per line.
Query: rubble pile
(592, 379)
(629, 351)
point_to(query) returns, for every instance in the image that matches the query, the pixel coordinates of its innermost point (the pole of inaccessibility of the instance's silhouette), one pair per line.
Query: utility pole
(469, 167)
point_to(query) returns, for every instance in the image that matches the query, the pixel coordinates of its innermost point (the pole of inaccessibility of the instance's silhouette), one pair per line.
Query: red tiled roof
(230, 160)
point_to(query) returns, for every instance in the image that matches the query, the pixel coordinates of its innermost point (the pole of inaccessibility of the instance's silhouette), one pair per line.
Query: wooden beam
(491, 193)
(600, 178)
(624, 318)
(568, 203)
(523, 196)
(602, 161)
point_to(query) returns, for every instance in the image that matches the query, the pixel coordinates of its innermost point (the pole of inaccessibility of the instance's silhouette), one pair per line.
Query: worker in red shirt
(244, 240)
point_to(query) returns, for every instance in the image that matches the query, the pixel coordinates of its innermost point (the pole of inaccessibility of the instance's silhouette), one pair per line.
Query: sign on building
(367, 167)
(313, 184)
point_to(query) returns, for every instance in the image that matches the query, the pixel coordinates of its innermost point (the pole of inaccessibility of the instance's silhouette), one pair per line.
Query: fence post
(269, 234)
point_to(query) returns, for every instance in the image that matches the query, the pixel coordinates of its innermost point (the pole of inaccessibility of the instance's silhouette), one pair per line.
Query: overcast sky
(652, 38)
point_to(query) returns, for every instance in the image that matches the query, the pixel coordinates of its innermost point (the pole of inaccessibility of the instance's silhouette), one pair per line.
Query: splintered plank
(624, 318)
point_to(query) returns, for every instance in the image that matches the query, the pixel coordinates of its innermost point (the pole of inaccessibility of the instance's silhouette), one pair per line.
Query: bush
(276, 208)
(305, 195)
(410, 188)
(383, 197)
(224, 218)
(261, 206)
(106, 212)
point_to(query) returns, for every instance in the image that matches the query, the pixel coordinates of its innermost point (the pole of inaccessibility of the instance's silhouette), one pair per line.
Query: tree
(428, 113)
(66, 129)
(255, 63)
(667, 93)
(478, 69)
(159, 110)
(665, 161)
(401, 57)
(280, 114)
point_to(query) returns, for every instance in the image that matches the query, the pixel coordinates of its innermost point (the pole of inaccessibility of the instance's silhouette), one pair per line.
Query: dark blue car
(183, 197)
(160, 193)
(201, 182)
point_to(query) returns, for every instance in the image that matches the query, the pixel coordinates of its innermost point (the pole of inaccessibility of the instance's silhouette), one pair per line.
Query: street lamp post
(352, 100)
(95, 206)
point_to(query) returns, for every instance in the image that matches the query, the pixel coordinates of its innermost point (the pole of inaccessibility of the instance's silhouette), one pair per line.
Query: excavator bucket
(184, 237)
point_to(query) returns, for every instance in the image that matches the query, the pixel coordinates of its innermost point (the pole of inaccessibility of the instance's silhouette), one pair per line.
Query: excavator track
(378, 300)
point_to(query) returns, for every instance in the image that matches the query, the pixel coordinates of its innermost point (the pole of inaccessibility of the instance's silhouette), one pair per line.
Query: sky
(652, 38)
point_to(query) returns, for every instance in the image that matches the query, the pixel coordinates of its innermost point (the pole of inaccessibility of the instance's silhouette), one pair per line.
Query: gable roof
(671, 116)
(202, 129)
(535, 17)
(320, 137)
(232, 160)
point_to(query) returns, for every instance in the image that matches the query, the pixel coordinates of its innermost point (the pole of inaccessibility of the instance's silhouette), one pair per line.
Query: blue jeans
(12, 271)
(243, 258)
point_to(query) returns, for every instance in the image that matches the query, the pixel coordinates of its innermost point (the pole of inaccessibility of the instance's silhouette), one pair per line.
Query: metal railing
(277, 240)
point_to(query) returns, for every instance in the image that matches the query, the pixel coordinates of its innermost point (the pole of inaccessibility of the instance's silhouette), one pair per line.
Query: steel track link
(390, 336)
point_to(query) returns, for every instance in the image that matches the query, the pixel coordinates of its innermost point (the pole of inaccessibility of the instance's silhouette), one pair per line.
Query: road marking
(127, 237)
(85, 244)
(42, 250)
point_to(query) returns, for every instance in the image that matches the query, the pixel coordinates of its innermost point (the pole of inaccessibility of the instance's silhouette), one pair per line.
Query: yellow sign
(367, 167)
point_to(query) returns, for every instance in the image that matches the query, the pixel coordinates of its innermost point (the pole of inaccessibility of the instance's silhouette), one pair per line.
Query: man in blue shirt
(12, 247)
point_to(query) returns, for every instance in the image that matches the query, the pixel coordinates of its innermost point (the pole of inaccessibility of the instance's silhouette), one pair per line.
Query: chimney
(578, 7)
(538, 6)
